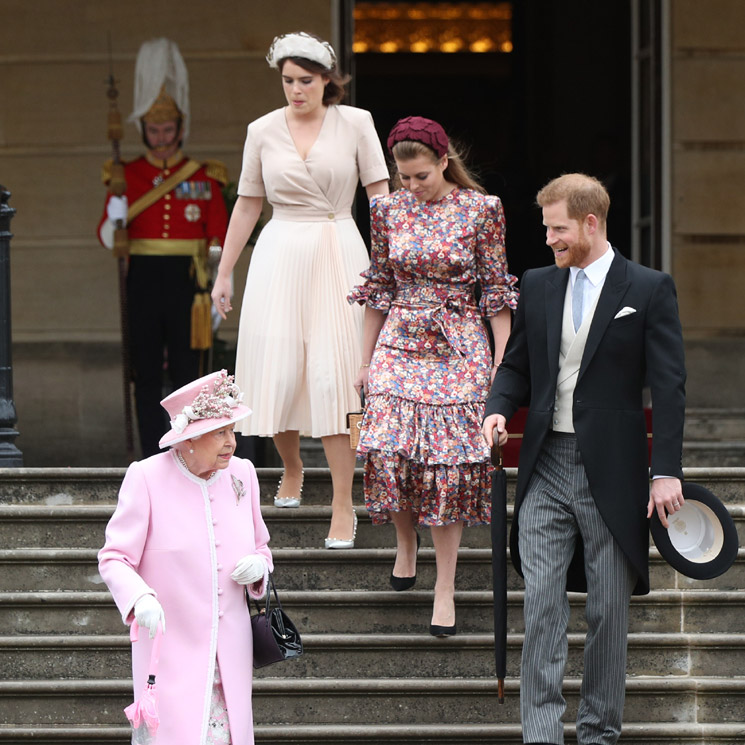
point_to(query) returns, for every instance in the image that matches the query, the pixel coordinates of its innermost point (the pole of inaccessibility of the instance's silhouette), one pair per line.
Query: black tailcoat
(621, 357)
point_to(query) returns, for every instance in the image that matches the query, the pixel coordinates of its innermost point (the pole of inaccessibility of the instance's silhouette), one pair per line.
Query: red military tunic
(167, 243)
(195, 209)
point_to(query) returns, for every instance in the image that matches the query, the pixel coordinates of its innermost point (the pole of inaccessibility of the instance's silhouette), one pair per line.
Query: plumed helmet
(161, 90)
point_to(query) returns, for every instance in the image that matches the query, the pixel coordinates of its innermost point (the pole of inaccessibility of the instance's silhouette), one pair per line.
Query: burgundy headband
(419, 129)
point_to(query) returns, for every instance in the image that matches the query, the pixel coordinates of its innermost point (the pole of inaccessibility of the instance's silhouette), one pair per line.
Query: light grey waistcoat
(570, 357)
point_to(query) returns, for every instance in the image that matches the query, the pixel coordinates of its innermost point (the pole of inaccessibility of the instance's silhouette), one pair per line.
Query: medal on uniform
(192, 212)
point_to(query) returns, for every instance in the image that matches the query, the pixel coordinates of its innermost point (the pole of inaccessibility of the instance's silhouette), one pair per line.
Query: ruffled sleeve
(379, 287)
(497, 284)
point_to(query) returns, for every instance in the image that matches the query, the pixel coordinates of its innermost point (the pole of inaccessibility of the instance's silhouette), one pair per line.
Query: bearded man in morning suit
(583, 347)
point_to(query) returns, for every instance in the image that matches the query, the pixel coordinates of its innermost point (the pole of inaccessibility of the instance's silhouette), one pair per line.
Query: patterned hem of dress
(218, 729)
(428, 433)
(437, 494)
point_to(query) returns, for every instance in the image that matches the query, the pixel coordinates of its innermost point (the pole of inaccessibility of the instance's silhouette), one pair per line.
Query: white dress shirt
(596, 274)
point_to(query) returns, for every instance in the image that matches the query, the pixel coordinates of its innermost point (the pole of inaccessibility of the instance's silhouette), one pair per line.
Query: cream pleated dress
(299, 342)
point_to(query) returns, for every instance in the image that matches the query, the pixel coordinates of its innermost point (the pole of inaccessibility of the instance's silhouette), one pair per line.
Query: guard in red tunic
(174, 211)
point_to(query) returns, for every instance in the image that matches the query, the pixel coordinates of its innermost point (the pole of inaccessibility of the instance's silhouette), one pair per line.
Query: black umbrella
(499, 565)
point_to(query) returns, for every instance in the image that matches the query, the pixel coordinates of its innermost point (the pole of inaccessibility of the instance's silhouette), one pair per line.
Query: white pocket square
(627, 311)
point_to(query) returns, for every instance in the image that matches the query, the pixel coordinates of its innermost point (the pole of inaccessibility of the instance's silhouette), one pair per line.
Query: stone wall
(708, 166)
(707, 143)
(54, 62)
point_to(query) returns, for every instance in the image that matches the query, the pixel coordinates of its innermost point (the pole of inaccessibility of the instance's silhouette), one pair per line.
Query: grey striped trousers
(558, 507)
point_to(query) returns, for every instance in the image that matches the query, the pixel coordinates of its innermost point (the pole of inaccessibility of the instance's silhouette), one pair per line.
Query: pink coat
(180, 537)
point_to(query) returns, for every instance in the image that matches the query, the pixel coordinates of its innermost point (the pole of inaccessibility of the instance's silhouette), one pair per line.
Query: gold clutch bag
(354, 422)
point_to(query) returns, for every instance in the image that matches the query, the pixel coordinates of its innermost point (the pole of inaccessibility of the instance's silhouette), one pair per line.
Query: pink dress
(180, 537)
(429, 377)
(299, 342)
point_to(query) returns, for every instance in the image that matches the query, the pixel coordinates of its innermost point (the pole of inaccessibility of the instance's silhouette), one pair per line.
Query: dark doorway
(559, 102)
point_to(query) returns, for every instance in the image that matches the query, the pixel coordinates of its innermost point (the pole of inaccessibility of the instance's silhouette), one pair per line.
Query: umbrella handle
(134, 635)
(496, 455)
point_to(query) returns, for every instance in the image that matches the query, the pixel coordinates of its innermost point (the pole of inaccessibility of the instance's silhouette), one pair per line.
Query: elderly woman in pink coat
(187, 536)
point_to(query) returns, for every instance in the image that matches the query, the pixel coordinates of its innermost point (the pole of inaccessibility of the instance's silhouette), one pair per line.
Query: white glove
(149, 613)
(249, 569)
(116, 209)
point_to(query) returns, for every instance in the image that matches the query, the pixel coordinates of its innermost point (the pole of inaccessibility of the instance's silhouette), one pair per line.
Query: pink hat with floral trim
(202, 406)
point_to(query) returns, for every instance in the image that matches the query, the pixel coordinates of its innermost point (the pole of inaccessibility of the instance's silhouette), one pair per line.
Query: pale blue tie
(577, 298)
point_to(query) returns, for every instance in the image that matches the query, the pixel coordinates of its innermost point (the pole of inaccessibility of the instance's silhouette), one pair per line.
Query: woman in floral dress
(427, 364)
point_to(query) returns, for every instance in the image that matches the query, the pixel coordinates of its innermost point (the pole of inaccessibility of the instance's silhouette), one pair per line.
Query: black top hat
(701, 541)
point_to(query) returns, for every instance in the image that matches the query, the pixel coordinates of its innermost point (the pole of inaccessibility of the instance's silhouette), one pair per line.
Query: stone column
(10, 455)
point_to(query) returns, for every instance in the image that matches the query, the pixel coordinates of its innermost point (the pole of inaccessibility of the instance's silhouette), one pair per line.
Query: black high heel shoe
(405, 583)
(441, 632)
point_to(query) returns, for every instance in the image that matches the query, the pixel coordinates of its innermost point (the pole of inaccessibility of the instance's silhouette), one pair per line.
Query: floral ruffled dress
(429, 376)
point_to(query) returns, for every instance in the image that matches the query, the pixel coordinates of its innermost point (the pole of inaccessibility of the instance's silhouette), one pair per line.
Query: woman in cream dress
(299, 343)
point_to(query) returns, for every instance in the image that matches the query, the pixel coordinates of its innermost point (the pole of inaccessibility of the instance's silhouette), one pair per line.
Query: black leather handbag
(275, 637)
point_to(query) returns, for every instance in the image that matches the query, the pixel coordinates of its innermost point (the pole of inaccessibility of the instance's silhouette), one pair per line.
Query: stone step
(337, 611)
(59, 570)
(64, 526)
(686, 649)
(714, 438)
(382, 655)
(68, 613)
(397, 734)
(471, 700)
(58, 486)
(389, 701)
(83, 526)
(714, 425)
(722, 453)
(63, 486)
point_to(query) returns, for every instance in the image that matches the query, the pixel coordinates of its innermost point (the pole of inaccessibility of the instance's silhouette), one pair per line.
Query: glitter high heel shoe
(342, 542)
(288, 501)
